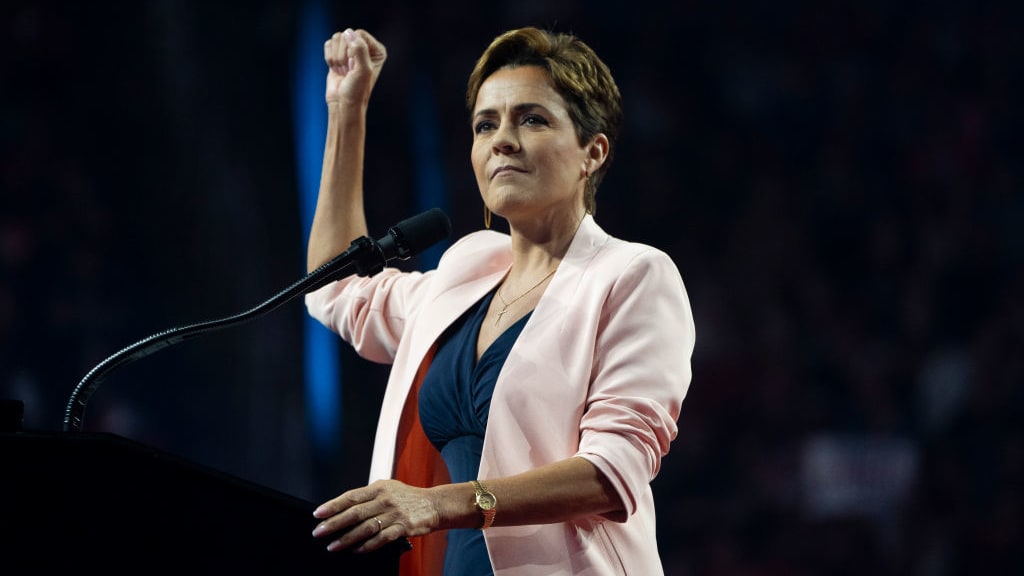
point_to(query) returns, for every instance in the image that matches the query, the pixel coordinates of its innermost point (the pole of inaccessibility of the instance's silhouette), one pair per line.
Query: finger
(339, 504)
(366, 531)
(328, 509)
(325, 510)
(387, 534)
(376, 49)
(331, 47)
(348, 40)
(345, 58)
(346, 512)
(341, 56)
(345, 521)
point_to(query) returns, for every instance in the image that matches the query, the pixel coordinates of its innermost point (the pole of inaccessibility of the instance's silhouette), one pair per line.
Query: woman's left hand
(372, 516)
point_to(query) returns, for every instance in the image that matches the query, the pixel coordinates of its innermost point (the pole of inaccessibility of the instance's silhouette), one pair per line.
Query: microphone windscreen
(414, 235)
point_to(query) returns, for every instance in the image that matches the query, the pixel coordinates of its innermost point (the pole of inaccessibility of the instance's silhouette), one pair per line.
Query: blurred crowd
(836, 183)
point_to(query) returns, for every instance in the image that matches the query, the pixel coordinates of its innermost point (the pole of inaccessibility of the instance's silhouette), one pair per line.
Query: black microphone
(403, 241)
(414, 235)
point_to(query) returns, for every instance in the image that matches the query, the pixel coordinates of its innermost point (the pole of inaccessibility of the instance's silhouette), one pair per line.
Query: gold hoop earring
(487, 218)
(589, 193)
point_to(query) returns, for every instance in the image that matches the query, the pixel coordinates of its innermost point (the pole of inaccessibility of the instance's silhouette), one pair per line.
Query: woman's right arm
(354, 60)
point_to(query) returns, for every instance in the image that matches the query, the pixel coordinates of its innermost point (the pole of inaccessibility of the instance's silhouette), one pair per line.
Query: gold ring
(380, 525)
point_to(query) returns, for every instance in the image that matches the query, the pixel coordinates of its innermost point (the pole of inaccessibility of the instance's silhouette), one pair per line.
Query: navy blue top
(455, 397)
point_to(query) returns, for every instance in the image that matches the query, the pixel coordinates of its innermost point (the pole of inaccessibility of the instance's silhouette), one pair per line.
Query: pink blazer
(599, 371)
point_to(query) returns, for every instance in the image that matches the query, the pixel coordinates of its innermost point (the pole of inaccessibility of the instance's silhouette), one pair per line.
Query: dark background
(835, 181)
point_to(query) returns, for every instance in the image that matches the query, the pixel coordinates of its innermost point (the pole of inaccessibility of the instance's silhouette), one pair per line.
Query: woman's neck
(538, 247)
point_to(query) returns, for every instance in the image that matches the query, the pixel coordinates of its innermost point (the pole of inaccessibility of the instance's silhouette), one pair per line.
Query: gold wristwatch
(486, 503)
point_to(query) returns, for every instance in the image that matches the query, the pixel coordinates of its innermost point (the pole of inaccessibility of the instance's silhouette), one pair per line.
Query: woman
(537, 376)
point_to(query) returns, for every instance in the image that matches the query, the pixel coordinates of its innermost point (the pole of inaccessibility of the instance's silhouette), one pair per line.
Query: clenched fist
(354, 59)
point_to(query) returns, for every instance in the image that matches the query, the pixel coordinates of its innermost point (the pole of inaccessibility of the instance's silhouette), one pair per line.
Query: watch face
(485, 501)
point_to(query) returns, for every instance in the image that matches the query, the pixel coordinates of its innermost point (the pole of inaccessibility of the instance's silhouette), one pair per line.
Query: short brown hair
(579, 77)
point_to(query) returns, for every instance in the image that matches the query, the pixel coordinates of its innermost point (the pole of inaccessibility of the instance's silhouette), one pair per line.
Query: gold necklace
(516, 299)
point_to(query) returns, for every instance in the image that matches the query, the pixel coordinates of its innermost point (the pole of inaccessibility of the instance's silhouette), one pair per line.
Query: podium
(89, 503)
(102, 504)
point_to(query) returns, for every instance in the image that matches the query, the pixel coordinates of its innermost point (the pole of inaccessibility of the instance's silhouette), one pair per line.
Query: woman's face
(526, 156)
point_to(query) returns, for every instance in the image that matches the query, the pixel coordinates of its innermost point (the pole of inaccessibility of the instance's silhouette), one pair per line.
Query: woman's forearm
(556, 492)
(339, 216)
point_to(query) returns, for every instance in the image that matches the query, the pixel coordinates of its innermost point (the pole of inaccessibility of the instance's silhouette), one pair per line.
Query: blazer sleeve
(641, 373)
(370, 313)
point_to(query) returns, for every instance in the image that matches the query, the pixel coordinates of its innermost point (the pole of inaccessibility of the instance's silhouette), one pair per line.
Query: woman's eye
(534, 120)
(483, 126)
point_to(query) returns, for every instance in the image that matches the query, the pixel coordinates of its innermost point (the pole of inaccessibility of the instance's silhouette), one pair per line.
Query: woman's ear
(597, 153)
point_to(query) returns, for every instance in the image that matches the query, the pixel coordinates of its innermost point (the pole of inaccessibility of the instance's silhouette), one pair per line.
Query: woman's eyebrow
(518, 108)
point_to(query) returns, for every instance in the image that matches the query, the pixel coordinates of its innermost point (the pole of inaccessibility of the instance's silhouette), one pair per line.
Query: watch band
(486, 503)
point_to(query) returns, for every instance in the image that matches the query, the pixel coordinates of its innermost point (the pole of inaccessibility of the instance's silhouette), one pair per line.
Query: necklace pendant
(500, 314)
(516, 299)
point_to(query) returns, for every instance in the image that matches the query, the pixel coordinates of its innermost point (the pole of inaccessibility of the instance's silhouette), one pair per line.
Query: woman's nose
(506, 140)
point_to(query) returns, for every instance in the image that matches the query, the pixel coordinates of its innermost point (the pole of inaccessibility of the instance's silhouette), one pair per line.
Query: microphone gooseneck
(367, 257)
